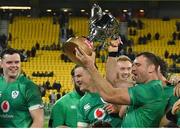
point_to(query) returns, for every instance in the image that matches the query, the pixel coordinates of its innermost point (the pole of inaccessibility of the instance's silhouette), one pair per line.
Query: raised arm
(105, 89)
(111, 72)
(111, 64)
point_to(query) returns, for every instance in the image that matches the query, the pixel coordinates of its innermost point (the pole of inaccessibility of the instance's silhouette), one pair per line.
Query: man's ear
(72, 81)
(0, 63)
(151, 68)
(159, 70)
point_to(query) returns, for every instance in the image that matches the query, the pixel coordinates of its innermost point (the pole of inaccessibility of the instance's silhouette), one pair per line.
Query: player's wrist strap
(113, 54)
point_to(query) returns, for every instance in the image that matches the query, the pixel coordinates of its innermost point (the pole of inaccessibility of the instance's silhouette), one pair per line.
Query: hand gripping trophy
(103, 27)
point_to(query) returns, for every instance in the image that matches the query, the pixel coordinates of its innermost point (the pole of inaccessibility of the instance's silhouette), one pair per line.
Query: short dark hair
(77, 66)
(9, 51)
(72, 71)
(163, 67)
(152, 58)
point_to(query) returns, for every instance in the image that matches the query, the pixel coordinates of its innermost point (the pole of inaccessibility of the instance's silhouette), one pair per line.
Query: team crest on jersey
(15, 94)
(5, 106)
(99, 113)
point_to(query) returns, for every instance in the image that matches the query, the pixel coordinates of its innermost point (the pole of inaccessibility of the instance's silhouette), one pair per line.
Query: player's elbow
(40, 121)
(38, 118)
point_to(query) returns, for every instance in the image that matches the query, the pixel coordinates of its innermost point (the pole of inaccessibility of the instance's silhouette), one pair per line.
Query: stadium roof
(114, 6)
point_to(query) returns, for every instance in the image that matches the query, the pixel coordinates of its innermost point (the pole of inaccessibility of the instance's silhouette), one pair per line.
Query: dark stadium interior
(154, 8)
(40, 32)
(54, 10)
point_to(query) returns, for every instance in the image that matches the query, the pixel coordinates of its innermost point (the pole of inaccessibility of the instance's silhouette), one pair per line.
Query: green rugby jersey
(16, 99)
(171, 99)
(147, 105)
(64, 112)
(91, 110)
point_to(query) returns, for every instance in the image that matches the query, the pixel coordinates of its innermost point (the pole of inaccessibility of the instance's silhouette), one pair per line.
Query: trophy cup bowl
(75, 42)
(103, 26)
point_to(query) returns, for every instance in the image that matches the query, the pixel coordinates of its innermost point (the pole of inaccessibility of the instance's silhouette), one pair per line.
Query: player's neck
(92, 90)
(152, 77)
(10, 79)
(164, 81)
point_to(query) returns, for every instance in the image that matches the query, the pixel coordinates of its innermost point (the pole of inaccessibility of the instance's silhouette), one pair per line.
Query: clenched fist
(177, 90)
(176, 107)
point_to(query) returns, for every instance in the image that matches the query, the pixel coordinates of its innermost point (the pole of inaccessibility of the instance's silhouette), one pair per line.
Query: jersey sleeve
(58, 114)
(81, 119)
(172, 100)
(33, 96)
(137, 95)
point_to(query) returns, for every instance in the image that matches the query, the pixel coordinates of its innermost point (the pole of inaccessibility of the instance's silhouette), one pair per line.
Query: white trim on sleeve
(35, 107)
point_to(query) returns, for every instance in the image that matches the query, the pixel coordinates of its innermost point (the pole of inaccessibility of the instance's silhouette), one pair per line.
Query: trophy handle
(96, 13)
(102, 25)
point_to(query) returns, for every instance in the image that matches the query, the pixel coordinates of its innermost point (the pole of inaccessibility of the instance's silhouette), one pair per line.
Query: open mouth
(125, 76)
(79, 83)
(134, 75)
(13, 71)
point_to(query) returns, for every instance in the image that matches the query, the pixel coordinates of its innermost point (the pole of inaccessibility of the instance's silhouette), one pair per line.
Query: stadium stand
(26, 32)
(39, 37)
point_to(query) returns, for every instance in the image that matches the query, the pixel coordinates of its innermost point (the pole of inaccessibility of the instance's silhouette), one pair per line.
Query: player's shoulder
(154, 83)
(88, 97)
(65, 98)
(85, 96)
(1, 78)
(63, 101)
(23, 80)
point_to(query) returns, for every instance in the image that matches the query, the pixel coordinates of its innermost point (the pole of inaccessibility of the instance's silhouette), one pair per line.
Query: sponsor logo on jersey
(15, 94)
(5, 106)
(99, 113)
(87, 107)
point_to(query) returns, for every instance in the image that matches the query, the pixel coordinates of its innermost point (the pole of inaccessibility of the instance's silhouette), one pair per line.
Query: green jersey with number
(17, 99)
(91, 110)
(147, 105)
(64, 112)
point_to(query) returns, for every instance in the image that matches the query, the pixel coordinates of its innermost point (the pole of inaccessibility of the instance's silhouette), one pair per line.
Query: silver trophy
(103, 25)
(103, 28)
